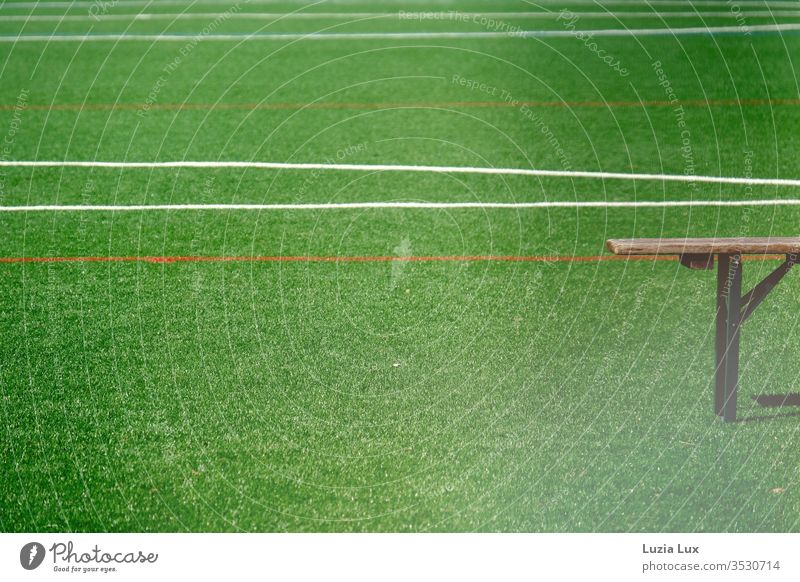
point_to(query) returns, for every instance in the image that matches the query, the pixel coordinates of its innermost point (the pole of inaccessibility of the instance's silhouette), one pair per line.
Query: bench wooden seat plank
(733, 306)
(704, 246)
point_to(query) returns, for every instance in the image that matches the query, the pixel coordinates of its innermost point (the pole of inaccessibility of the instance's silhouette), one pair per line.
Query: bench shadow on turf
(775, 401)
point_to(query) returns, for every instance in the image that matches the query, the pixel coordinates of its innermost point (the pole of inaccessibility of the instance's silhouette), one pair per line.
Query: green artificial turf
(389, 396)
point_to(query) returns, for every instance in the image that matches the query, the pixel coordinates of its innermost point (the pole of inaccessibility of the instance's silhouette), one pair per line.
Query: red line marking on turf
(355, 259)
(433, 104)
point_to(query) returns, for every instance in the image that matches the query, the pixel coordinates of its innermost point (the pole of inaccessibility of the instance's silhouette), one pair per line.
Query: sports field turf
(389, 369)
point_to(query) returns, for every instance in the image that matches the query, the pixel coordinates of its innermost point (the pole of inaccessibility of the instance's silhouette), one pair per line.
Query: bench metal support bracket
(733, 309)
(699, 262)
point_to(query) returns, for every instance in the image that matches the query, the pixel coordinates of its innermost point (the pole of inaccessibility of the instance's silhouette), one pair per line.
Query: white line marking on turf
(405, 168)
(400, 205)
(683, 3)
(412, 16)
(558, 3)
(97, 4)
(625, 32)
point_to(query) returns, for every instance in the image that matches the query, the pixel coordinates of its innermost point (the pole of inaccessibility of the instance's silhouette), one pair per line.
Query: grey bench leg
(733, 309)
(734, 327)
(721, 343)
(729, 320)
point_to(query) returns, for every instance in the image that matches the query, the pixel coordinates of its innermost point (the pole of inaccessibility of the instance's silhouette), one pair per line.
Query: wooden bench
(733, 307)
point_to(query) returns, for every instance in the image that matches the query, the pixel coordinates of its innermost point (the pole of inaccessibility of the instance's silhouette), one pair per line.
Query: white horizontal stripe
(406, 168)
(626, 32)
(289, 36)
(401, 205)
(555, 3)
(683, 3)
(133, 3)
(422, 16)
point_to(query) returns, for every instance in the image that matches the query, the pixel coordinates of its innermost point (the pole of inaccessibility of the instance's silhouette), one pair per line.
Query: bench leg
(733, 309)
(721, 343)
(729, 300)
